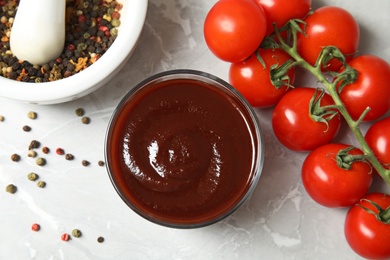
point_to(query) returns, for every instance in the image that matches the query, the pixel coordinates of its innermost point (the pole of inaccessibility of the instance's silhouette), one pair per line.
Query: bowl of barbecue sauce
(184, 149)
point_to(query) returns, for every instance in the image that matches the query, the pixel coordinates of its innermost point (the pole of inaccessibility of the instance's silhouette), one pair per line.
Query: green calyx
(278, 73)
(318, 113)
(345, 160)
(383, 215)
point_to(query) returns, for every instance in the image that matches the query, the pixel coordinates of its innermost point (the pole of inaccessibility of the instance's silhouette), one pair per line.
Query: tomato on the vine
(332, 178)
(281, 11)
(252, 78)
(371, 88)
(233, 29)
(302, 127)
(367, 235)
(329, 26)
(378, 139)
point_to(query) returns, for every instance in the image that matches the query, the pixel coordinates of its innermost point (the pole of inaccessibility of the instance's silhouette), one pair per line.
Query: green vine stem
(326, 54)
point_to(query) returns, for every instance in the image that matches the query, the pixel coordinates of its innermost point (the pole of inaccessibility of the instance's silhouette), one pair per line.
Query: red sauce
(182, 152)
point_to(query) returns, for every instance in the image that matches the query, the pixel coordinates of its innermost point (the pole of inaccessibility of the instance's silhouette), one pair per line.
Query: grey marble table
(279, 221)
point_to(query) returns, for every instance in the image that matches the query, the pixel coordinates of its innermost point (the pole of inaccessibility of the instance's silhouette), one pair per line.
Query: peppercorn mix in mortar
(91, 28)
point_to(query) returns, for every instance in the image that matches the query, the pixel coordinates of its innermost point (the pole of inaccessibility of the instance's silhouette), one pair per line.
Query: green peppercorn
(115, 22)
(86, 35)
(79, 112)
(114, 32)
(40, 161)
(32, 176)
(41, 184)
(85, 120)
(32, 115)
(76, 233)
(11, 188)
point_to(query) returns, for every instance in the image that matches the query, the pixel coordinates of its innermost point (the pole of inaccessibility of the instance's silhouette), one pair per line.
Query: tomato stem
(383, 215)
(343, 78)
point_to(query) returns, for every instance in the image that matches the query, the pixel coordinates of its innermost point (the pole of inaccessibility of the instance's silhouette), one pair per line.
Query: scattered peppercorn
(85, 120)
(41, 184)
(32, 153)
(85, 163)
(26, 128)
(100, 239)
(35, 227)
(100, 163)
(1, 118)
(15, 157)
(34, 144)
(32, 115)
(45, 150)
(60, 151)
(69, 156)
(65, 237)
(11, 188)
(32, 176)
(40, 161)
(76, 233)
(79, 112)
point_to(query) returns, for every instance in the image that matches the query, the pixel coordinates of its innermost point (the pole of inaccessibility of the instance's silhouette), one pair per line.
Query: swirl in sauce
(183, 151)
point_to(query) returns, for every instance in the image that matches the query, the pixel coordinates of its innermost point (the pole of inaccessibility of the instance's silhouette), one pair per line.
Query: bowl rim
(132, 20)
(258, 162)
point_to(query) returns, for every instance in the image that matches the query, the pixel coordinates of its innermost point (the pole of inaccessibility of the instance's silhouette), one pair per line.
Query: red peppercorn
(60, 151)
(59, 60)
(35, 227)
(81, 18)
(65, 237)
(103, 28)
(98, 19)
(107, 33)
(71, 47)
(116, 15)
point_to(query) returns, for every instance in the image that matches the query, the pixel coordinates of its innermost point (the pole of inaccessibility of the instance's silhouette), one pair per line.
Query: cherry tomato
(281, 11)
(329, 26)
(378, 139)
(252, 79)
(366, 235)
(234, 29)
(293, 125)
(371, 89)
(333, 186)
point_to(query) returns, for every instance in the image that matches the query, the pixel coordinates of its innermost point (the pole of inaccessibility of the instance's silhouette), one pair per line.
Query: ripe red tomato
(293, 125)
(371, 89)
(329, 26)
(366, 235)
(252, 79)
(378, 139)
(281, 11)
(330, 185)
(234, 29)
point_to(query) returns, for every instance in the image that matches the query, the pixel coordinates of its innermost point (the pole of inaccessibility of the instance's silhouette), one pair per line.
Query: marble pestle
(38, 31)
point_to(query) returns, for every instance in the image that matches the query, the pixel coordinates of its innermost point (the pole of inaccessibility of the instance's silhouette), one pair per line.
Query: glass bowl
(184, 149)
